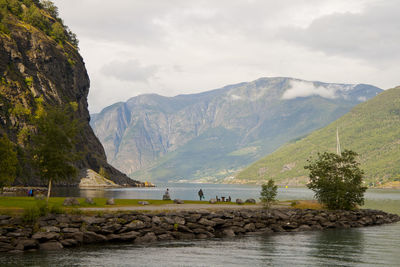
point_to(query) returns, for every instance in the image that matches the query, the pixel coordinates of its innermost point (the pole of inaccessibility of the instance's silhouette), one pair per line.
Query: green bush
(268, 193)
(41, 209)
(337, 180)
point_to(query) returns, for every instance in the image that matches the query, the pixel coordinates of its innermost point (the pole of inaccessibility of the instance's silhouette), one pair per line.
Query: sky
(133, 47)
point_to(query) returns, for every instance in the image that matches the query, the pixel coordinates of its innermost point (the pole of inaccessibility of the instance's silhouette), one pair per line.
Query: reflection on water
(338, 246)
(370, 246)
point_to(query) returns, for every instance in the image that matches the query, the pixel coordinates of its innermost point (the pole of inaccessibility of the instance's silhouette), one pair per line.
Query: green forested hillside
(372, 129)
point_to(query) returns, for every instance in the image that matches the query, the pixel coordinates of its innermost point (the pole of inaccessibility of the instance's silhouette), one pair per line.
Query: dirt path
(171, 207)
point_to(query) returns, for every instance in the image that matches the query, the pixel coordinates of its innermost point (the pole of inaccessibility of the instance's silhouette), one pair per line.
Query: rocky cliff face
(213, 134)
(34, 65)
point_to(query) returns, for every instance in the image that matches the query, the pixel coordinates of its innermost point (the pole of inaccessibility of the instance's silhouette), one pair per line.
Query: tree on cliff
(337, 180)
(8, 162)
(54, 144)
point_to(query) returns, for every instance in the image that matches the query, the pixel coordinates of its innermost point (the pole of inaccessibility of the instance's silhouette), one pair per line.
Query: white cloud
(175, 47)
(372, 35)
(304, 89)
(130, 70)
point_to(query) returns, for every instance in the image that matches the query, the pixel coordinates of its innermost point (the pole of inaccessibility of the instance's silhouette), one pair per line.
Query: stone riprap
(54, 232)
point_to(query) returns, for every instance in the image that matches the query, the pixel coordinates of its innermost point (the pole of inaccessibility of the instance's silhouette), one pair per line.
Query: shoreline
(58, 231)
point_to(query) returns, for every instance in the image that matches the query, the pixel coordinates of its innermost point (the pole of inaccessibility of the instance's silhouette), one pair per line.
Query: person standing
(201, 194)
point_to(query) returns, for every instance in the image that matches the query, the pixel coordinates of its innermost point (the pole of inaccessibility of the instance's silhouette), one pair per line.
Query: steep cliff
(209, 136)
(35, 64)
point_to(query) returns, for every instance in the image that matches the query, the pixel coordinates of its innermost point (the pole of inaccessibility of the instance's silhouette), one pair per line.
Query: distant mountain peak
(213, 134)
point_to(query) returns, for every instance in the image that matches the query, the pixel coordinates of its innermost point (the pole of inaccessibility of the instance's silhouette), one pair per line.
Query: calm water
(371, 246)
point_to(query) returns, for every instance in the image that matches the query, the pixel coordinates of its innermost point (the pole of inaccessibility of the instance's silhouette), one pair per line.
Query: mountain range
(208, 137)
(371, 129)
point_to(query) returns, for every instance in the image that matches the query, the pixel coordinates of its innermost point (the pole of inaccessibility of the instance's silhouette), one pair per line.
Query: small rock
(48, 229)
(91, 237)
(89, 200)
(201, 236)
(70, 230)
(228, 233)
(69, 242)
(156, 220)
(128, 236)
(43, 236)
(134, 225)
(110, 201)
(143, 203)
(70, 201)
(251, 200)
(178, 201)
(93, 220)
(213, 201)
(147, 238)
(239, 201)
(78, 236)
(27, 244)
(204, 221)
(164, 237)
(51, 245)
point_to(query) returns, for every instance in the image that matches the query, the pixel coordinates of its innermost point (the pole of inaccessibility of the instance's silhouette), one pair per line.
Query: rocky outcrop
(95, 180)
(34, 66)
(58, 231)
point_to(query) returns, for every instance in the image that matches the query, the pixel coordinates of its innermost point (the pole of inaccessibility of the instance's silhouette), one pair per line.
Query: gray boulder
(251, 200)
(239, 201)
(89, 200)
(147, 238)
(43, 236)
(213, 201)
(228, 233)
(51, 245)
(143, 203)
(178, 201)
(70, 201)
(110, 201)
(27, 244)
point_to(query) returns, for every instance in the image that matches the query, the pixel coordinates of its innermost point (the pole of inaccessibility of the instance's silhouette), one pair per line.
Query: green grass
(370, 129)
(18, 204)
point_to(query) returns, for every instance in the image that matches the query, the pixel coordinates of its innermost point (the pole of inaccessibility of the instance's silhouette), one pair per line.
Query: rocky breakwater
(54, 232)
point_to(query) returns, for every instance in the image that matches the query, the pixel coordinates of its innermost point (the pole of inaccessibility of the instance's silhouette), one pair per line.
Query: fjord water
(370, 246)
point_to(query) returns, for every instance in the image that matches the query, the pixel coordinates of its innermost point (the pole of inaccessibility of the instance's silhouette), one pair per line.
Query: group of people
(201, 196)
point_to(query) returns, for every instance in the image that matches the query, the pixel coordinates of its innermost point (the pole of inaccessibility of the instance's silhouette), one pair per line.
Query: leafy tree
(268, 193)
(337, 180)
(57, 32)
(50, 7)
(53, 145)
(8, 162)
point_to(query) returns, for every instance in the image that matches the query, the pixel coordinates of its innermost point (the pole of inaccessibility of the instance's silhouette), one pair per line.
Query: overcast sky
(172, 47)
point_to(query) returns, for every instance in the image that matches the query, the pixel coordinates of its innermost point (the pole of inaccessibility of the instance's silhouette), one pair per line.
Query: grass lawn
(15, 204)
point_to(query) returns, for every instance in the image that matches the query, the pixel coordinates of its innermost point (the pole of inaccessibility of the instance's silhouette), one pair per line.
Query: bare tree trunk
(48, 191)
